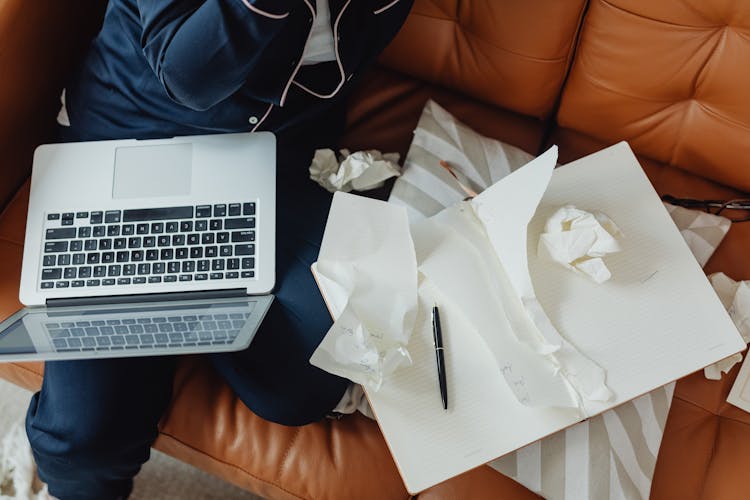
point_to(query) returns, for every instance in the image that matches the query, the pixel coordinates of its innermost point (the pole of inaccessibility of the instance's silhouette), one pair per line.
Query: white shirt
(320, 45)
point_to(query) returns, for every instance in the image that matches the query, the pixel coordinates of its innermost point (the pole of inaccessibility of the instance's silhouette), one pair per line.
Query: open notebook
(657, 320)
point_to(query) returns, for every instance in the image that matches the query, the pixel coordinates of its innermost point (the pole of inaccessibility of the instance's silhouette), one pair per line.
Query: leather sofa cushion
(510, 54)
(669, 77)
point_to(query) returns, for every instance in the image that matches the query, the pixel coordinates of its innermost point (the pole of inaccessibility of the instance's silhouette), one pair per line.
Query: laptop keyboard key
(240, 223)
(51, 274)
(65, 233)
(112, 216)
(248, 209)
(56, 247)
(49, 260)
(244, 249)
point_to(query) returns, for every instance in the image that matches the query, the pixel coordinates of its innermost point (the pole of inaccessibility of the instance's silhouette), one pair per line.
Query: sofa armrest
(39, 42)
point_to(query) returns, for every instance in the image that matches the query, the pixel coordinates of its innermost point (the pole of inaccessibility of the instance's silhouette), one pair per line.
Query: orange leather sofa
(671, 77)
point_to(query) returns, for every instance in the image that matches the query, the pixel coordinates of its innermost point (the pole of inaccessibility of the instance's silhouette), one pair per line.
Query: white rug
(162, 478)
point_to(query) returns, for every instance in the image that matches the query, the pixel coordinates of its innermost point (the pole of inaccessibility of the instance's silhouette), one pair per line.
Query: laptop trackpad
(152, 171)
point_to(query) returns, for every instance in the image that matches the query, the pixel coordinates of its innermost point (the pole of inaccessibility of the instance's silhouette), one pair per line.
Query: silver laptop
(143, 248)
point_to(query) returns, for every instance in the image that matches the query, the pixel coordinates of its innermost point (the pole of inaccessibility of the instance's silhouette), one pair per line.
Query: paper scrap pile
(735, 295)
(579, 240)
(358, 171)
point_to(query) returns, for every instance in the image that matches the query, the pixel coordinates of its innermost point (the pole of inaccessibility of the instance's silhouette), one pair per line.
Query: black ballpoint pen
(437, 334)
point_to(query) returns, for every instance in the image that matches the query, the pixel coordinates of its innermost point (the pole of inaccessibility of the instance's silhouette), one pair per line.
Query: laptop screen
(159, 328)
(15, 340)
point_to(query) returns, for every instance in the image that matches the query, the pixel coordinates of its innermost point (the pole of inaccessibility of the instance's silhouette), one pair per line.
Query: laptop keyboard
(149, 245)
(146, 333)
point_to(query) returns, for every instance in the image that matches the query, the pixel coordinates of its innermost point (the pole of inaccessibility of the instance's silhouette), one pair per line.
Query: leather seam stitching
(668, 23)
(170, 436)
(503, 49)
(710, 457)
(599, 83)
(720, 116)
(14, 243)
(693, 403)
(26, 369)
(285, 456)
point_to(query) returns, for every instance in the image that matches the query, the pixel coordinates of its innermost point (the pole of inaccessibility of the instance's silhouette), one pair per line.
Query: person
(163, 68)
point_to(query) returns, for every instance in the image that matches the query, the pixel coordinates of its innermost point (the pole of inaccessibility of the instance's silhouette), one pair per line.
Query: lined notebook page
(657, 320)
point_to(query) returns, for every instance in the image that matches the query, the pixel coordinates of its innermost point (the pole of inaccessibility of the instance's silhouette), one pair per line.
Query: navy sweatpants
(93, 422)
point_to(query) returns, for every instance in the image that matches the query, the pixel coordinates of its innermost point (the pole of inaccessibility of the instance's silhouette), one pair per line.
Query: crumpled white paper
(358, 171)
(578, 240)
(735, 295)
(373, 323)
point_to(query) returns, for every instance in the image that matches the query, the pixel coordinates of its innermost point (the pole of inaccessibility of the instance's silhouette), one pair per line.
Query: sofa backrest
(670, 76)
(514, 54)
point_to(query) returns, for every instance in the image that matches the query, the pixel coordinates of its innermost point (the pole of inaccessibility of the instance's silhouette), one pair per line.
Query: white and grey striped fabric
(613, 455)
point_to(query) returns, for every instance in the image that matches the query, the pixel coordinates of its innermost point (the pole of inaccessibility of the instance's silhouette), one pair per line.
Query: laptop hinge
(147, 297)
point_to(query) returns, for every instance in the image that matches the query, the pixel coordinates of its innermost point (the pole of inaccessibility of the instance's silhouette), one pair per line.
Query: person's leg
(274, 377)
(92, 424)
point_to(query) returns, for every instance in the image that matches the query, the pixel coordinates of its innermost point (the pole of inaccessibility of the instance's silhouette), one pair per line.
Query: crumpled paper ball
(358, 171)
(735, 295)
(578, 240)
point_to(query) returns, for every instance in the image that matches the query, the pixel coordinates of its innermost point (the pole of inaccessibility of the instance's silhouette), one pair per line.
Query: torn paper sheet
(474, 254)
(579, 240)
(735, 295)
(374, 280)
(505, 210)
(358, 171)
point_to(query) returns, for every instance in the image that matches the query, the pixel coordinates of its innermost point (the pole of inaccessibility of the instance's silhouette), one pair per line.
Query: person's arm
(203, 51)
